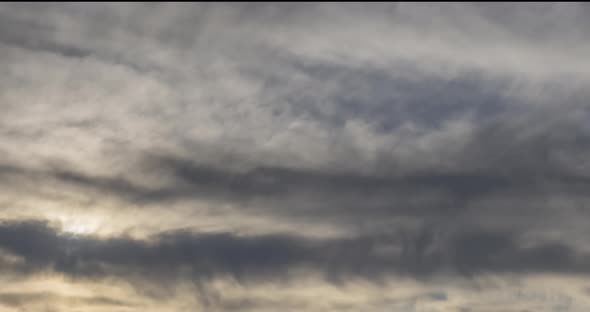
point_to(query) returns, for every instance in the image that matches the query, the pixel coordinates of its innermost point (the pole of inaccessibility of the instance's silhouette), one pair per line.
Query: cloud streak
(43, 247)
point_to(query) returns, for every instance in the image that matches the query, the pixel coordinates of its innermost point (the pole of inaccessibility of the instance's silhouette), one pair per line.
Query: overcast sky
(295, 157)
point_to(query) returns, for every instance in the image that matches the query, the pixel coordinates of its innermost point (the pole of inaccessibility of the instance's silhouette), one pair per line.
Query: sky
(306, 157)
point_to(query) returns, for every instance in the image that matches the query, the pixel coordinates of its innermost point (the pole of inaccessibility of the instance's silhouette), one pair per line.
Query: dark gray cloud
(501, 160)
(167, 256)
(34, 35)
(492, 163)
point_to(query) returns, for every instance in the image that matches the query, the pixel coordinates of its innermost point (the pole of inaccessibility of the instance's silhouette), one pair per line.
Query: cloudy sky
(295, 157)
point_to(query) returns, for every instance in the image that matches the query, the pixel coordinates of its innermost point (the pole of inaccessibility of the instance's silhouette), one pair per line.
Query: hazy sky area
(306, 157)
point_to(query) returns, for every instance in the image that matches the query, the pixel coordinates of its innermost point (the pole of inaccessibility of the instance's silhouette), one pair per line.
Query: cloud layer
(183, 154)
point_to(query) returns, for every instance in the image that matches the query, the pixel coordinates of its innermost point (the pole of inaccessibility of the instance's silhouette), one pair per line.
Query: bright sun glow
(79, 225)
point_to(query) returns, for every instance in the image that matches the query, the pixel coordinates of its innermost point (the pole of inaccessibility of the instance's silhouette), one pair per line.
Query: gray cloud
(492, 163)
(462, 126)
(34, 37)
(271, 256)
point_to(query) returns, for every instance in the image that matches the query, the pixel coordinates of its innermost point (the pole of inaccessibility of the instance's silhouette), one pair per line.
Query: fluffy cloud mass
(298, 157)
